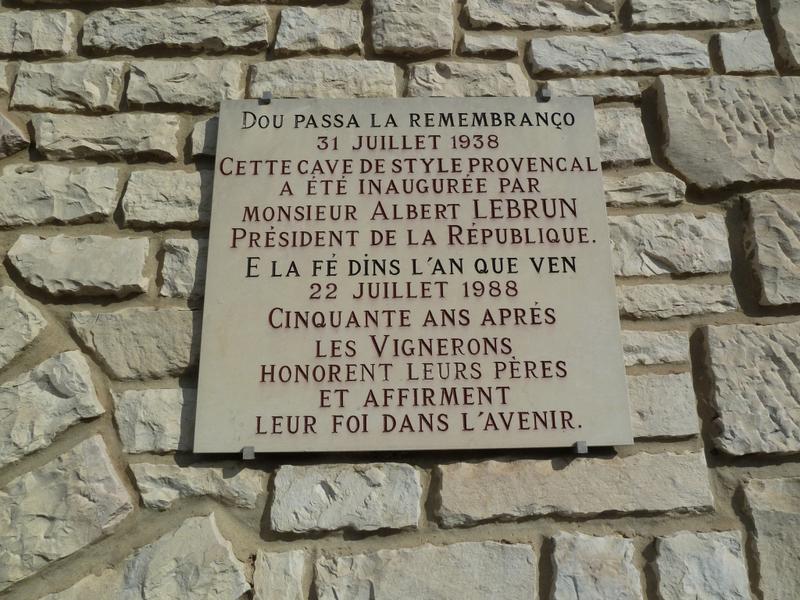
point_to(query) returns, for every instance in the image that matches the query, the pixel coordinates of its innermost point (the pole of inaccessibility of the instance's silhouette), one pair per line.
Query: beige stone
(695, 13)
(91, 85)
(40, 33)
(155, 420)
(622, 137)
(786, 20)
(204, 137)
(162, 198)
(475, 44)
(13, 138)
(305, 29)
(663, 406)
(414, 27)
(654, 347)
(22, 323)
(450, 78)
(279, 575)
(663, 301)
(745, 52)
(599, 88)
(195, 83)
(183, 271)
(542, 14)
(644, 189)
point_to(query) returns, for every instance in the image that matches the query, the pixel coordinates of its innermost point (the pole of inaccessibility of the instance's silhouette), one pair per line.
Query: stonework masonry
(107, 138)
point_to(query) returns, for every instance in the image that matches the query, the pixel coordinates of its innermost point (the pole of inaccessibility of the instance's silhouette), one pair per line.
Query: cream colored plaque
(408, 274)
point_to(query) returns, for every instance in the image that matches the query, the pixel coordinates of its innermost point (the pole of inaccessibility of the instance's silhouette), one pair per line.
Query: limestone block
(644, 189)
(364, 497)
(323, 78)
(663, 406)
(59, 508)
(94, 85)
(622, 137)
(650, 244)
(415, 27)
(786, 20)
(695, 13)
(183, 271)
(89, 265)
(774, 506)
(654, 347)
(13, 138)
(279, 575)
(702, 565)
(600, 88)
(626, 53)
(467, 571)
(456, 79)
(304, 29)
(119, 136)
(542, 14)
(745, 52)
(40, 33)
(39, 404)
(161, 198)
(155, 420)
(662, 301)
(204, 137)
(215, 28)
(141, 343)
(42, 193)
(726, 130)
(5, 80)
(22, 323)
(756, 387)
(195, 83)
(586, 566)
(473, 44)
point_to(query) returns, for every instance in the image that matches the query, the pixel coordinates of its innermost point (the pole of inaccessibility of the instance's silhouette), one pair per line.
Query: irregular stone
(305, 29)
(663, 406)
(188, 201)
(195, 83)
(323, 78)
(415, 27)
(726, 130)
(695, 13)
(59, 508)
(41, 193)
(586, 566)
(214, 28)
(183, 271)
(473, 44)
(161, 485)
(745, 52)
(663, 301)
(456, 79)
(141, 343)
(472, 493)
(92, 586)
(41, 33)
(279, 575)
(771, 238)
(786, 20)
(467, 571)
(542, 14)
(622, 137)
(650, 244)
(702, 565)
(38, 405)
(773, 506)
(626, 53)
(120, 137)
(756, 382)
(644, 189)
(360, 497)
(22, 323)
(155, 420)
(654, 347)
(5, 80)
(600, 88)
(68, 86)
(90, 265)
(204, 137)
(13, 138)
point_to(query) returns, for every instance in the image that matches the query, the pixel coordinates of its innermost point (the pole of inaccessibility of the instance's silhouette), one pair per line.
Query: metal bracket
(248, 453)
(581, 447)
(266, 98)
(544, 94)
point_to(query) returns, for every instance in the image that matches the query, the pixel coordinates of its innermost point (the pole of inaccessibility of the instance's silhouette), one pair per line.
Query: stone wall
(107, 137)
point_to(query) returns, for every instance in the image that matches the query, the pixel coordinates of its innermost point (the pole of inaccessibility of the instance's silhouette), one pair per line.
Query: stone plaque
(408, 274)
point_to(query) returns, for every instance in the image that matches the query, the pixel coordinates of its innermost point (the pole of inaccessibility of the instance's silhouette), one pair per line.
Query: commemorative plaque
(409, 274)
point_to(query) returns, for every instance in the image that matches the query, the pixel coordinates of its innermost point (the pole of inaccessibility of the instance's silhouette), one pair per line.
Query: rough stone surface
(662, 301)
(448, 78)
(156, 197)
(41, 193)
(542, 14)
(13, 139)
(696, 13)
(304, 29)
(50, 33)
(141, 343)
(42, 403)
(622, 137)
(92, 586)
(644, 189)
(279, 575)
(702, 565)
(745, 52)
(161, 485)
(194, 28)
(772, 234)
(786, 19)
(323, 78)
(654, 347)
(587, 566)
(756, 375)
(774, 506)
(626, 53)
(364, 497)
(204, 137)
(650, 244)
(155, 420)
(495, 44)
(195, 83)
(663, 406)
(122, 136)
(472, 493)
(22, 323)
(59, 508)
(467, 571)
(600, 88)
(183, 271)
(94, 85)
(725, 130)
(412, 26)
(90, 265)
